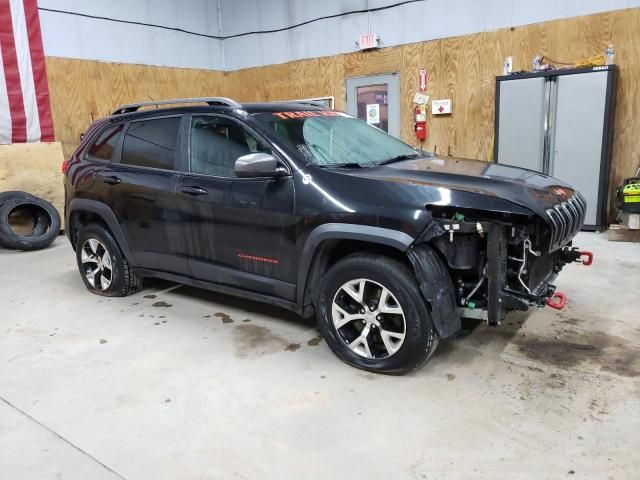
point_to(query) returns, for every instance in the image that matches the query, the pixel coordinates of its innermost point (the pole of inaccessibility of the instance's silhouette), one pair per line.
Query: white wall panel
(525, 13)
(273, 15)
(395, 36)
(345, 31)
(409, 23)
(348, 5)
(497, 14)
(585, 7)
(229, 22)
(298, 11)
(86, 38)
(78, 37)
(315, 39)
(306, 40)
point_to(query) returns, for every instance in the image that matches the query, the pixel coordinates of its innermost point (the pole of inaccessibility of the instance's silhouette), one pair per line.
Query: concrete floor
(179, 383)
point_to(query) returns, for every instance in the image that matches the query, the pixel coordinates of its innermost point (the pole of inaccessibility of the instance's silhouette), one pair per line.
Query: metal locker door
(577, 153)
(521, 123)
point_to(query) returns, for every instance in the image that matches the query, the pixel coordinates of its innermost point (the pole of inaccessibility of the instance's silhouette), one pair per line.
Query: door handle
(112, 180)
(194, 190)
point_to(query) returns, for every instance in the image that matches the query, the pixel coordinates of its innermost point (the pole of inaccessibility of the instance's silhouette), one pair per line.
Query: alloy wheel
(96, 264)
(368, 318)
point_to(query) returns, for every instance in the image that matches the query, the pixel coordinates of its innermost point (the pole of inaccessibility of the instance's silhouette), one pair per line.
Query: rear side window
(105, 145)
(151, 143)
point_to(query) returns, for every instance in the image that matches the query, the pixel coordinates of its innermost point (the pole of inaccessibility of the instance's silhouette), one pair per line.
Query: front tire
(372, 315)
(104, 269)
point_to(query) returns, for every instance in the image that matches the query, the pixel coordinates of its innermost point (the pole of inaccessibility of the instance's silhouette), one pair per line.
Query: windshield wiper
(399, 158)
(342, 165)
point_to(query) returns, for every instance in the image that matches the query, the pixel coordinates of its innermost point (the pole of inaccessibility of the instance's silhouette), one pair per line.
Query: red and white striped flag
(25, 112)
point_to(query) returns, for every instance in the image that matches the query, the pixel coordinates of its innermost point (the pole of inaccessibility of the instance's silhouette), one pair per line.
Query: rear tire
(103, 267)
(372, 315)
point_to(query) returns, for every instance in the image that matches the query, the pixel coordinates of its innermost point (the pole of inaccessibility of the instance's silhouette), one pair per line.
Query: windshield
(327, 138)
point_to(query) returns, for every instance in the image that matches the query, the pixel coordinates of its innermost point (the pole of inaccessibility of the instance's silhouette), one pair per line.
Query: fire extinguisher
(421, 122)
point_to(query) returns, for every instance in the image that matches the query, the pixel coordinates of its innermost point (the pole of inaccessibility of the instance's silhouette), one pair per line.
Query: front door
(376, 100)
(240, 231)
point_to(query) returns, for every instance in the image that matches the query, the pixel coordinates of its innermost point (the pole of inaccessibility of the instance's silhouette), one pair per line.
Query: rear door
(143, 192)
(89, 176)
(240, 231)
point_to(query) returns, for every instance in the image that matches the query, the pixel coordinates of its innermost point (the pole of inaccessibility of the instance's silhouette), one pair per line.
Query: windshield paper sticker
(310, 113)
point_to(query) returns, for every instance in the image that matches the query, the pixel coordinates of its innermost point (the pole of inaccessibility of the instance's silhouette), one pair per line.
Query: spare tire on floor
(4, 196)
(46, 223)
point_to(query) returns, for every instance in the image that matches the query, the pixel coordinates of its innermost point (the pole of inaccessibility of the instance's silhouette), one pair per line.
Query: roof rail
(224, 101)
(314, 103)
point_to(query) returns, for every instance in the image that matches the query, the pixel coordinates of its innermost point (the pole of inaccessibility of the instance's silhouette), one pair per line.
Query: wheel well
(80, 219)
(330, 252)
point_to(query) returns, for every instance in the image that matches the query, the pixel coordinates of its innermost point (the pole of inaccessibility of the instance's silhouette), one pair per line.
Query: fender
(348, 231)
(104, 212)
(437, 289)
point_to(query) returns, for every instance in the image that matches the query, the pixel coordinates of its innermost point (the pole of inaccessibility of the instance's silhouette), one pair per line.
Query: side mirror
(258, 165)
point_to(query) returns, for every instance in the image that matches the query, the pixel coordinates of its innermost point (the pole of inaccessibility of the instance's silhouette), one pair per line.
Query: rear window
(151, 143)
(105, 145)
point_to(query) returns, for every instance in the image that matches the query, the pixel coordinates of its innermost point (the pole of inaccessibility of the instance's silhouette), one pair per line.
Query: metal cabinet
(560, 123)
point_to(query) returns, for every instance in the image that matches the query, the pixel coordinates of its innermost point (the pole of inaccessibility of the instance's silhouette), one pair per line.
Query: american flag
(25, 112)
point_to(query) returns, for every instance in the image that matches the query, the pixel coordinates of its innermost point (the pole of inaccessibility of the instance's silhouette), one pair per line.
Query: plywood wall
(84, 90)
(464, 69)
(35, 168)
(461, 68)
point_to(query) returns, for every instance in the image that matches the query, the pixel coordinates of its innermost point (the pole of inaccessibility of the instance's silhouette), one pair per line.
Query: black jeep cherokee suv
(318, 212)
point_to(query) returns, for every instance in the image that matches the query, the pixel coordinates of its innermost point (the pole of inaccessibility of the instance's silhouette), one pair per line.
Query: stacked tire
(45, 227)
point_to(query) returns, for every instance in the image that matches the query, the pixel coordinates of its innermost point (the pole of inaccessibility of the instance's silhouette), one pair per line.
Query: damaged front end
(498, 261)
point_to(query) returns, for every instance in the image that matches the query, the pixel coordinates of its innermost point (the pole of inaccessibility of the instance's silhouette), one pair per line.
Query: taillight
(65, 166)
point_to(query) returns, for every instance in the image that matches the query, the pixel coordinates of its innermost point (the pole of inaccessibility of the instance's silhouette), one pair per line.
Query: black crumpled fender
(437, 288)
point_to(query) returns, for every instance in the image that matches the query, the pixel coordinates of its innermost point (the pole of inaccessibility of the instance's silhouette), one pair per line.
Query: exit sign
(367, 41)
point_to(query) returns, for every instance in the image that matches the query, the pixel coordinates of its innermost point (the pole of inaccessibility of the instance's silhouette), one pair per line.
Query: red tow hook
(586, 261)
(560, 303)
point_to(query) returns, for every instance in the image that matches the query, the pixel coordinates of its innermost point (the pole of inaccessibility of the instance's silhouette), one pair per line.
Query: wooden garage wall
(461, 68)
(84, 90)
(464, 69)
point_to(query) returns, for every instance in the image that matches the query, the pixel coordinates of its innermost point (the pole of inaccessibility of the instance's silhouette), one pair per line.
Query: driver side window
(216, 143)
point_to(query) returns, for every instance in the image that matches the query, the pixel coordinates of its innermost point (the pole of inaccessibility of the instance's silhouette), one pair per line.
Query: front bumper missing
(502, 298)
(513, 276)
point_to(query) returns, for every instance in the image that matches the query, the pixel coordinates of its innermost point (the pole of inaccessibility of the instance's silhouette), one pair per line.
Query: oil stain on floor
(257, 340)
(566, 347)
(607, 352)
(161, 304)
(292, 347)
(224, 317)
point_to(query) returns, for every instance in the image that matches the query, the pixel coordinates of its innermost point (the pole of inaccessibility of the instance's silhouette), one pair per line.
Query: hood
(526, 188)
